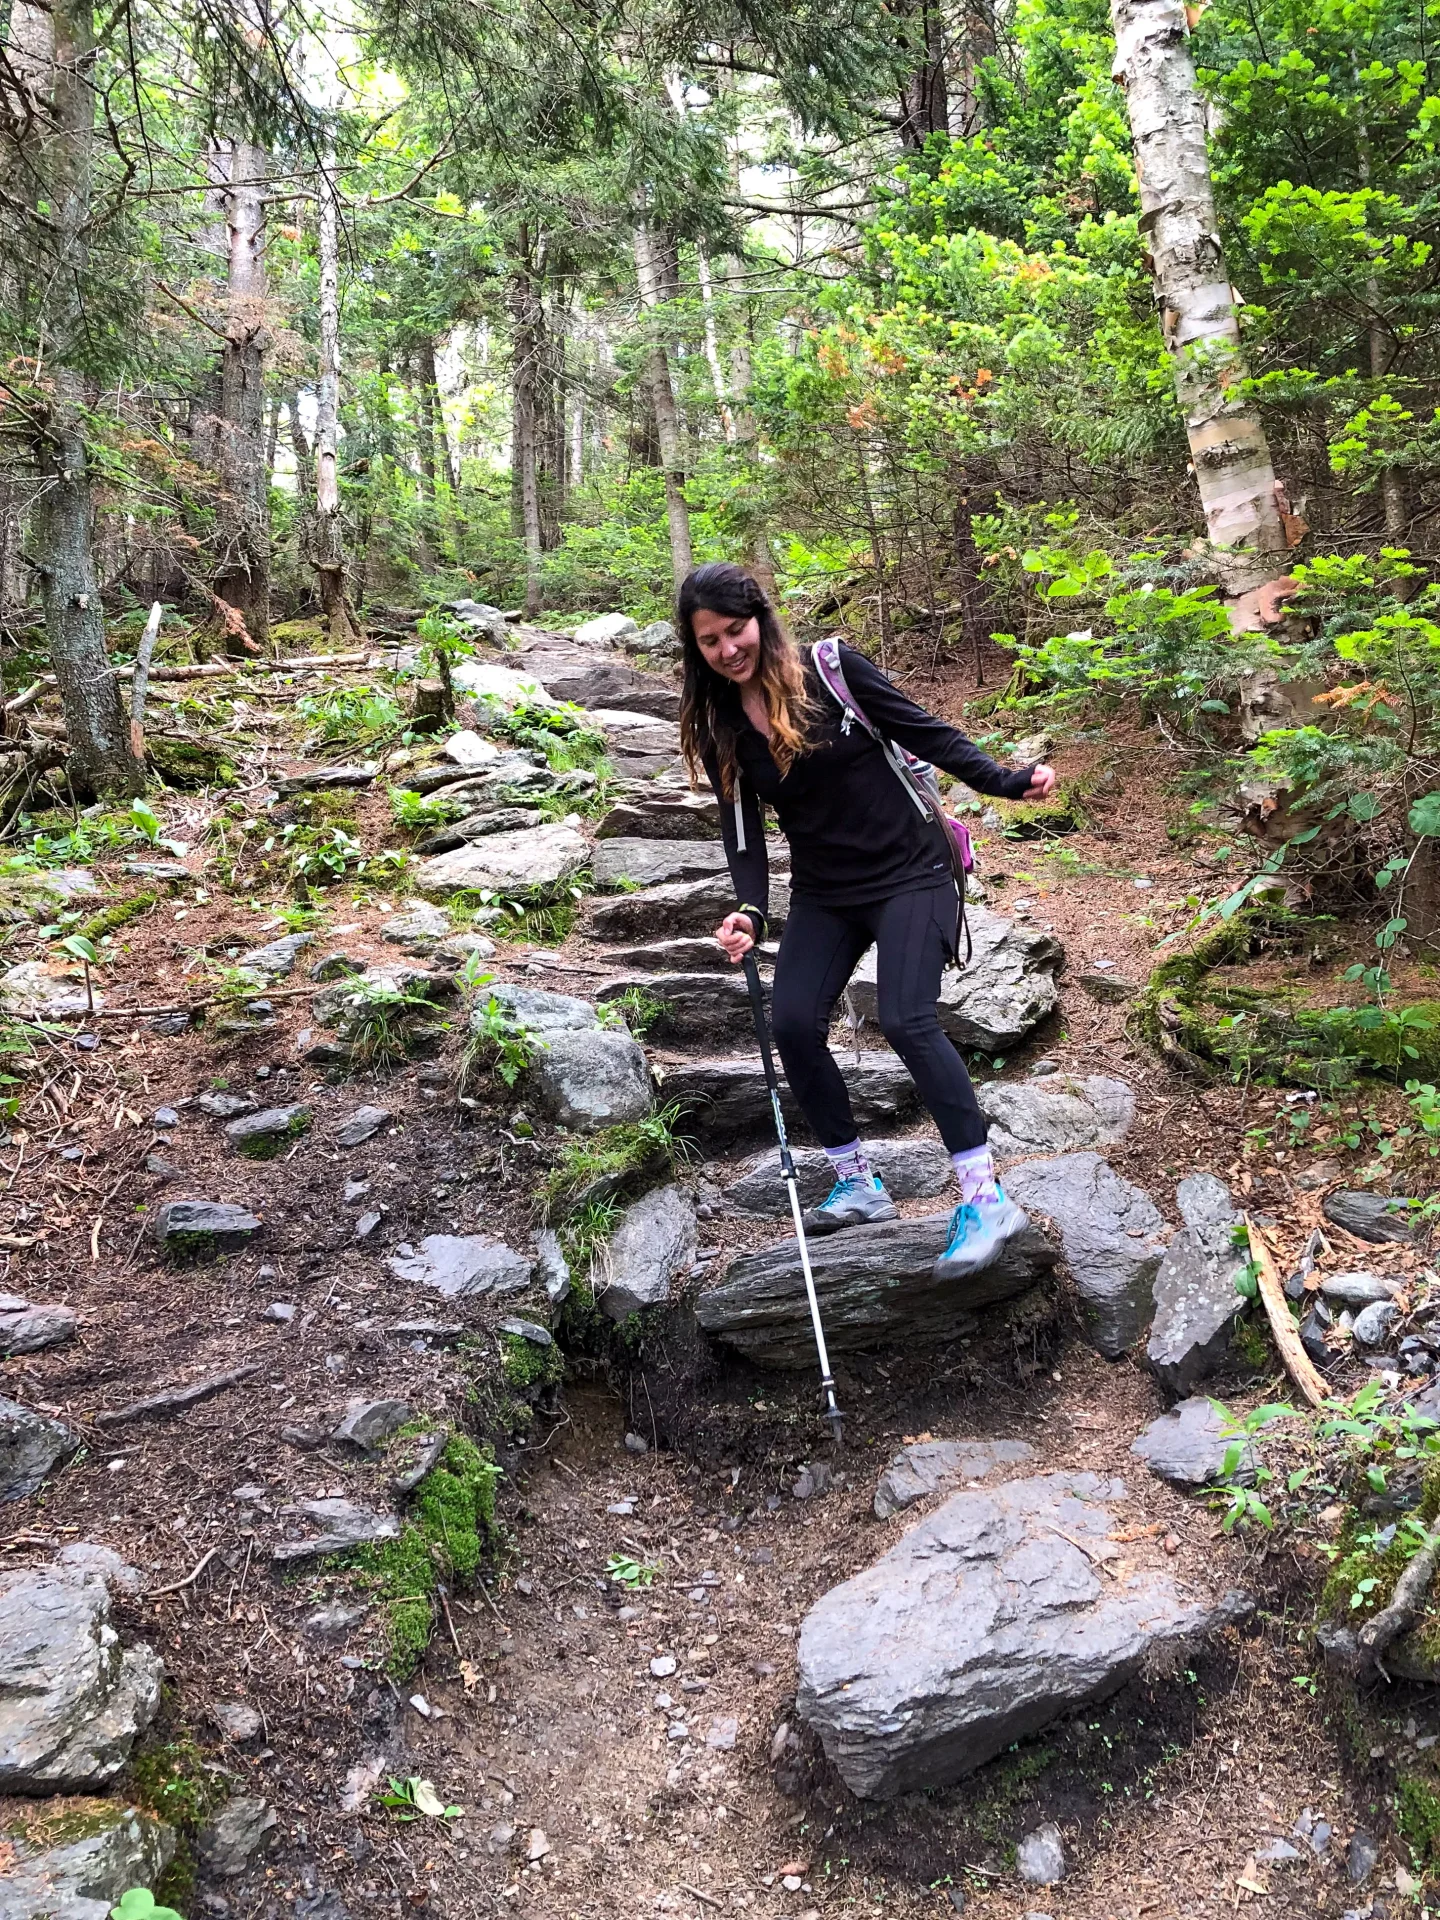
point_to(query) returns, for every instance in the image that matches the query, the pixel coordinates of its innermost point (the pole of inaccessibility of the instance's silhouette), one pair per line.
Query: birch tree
(662, 398)
(242, 579)
(1238, 489)
(327, 546)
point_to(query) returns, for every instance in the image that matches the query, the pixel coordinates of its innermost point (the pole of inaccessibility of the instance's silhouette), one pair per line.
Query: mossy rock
(300, 636)
(528, 1367)
(189, 763)
(118, 914)
(1048, 819)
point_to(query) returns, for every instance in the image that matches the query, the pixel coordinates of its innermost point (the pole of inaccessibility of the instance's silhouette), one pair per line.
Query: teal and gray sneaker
(978, 1232)
(851, 1203)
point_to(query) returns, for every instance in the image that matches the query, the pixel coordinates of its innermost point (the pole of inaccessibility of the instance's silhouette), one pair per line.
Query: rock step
(691, 1006)
(658, 863)
(590, 680)
(987, 1622)
(1008, 987)
(664, 816)
(699, 954)
(679, 907)
(723, 1100)
(910, 1170)
(874, 1284)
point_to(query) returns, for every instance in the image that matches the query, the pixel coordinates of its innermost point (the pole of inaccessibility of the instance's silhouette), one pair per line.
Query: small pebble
(280, 1310)
(165, 1117)
(663, 1665)
(635, 1444)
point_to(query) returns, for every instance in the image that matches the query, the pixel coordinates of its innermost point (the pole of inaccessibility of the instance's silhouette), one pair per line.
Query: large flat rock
(679, 907)
(77, 1860)
(591, 1078)
(875, 1285)
(652, 1246)
(983, 1625)
(72, 1700)
(1112, 1235)
(589, 681)
(1195, 1299)
(726, 1099)
(909, 1170)
(940, 1466)
(537, 862)
(662, 816)
(1006, 990)
(693, 1006)
(1059, 1114)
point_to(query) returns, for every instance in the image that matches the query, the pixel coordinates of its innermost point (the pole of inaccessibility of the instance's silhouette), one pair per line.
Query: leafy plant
(414, 1799)
(636, 1009)
(1245, 1504)
(499, 1043)
(82, 949)
(377, 1019)
(138, 1903)
(416, 811)
(630, 1573)
(350, 713)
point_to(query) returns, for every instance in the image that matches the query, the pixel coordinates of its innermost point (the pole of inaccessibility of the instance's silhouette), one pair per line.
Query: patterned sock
(975, 1170)
(848, 1163)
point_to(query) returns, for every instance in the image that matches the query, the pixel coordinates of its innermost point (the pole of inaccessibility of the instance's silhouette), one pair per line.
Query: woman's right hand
(736, 934)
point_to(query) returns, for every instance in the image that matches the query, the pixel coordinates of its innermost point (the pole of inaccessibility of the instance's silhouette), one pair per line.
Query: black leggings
(819, 950)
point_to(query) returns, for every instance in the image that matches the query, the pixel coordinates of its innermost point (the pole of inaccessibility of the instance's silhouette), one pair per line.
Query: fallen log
(1406, 1601)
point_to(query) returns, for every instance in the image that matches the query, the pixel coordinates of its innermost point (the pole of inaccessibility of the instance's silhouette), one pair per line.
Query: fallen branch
(31, 694)
(237, 1001)
(1406, 1601)
(705, 1899)
(189, 1580)
(160, 1406)
(1298, 1364)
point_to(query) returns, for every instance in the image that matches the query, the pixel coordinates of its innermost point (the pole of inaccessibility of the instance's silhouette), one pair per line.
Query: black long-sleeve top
(855, 834)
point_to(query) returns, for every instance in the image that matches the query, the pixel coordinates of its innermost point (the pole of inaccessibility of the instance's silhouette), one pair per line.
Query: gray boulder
(939, 1466)
(479, 618)
(875, 1287)
(694, 1006)
(25, 1328)
(551, 1266)
(597, 682)
(90, 1557)
(419, 929)
(31, 1446)
(1111, 1234)
(1040, 1856)
(636, 743)
(278, 959)
(1195, 1299)
(1370, 1216)
(909, 1170)
(659, 641)
(1007, 989)
(1373, 1323)
(1356, 1290)
(236, 1836)
(542, 1013)
(72, 1700)
(470, 750)
(343, 1524)
(103, 1848)
(701, 953)
(724, 1100)
(1187, 1446)
(261, 1136)
(190, 1230)
(538, 862)
(682, 907)
(368, 1423)
(594, 1078)
(653, 1245)
(361, 1125)
(985, 1623)
(606, 630)
(652, 863)
(459, 1265)
(326, 779)
(1059, 1114)
(662, 816)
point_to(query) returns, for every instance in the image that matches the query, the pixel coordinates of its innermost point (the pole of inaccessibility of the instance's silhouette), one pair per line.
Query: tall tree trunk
(925, 96)
(525, 312)
(242, 580)
(100, 760)
(434, 439)
(1238, 489)
(649, 274)
(762, 562)
(712, 344)
(328, 550)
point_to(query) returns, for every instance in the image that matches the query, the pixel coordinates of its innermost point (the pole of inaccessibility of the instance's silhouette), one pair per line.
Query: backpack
(915, 775)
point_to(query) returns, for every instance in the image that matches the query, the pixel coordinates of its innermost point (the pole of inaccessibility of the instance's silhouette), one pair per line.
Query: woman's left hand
(1042, 784)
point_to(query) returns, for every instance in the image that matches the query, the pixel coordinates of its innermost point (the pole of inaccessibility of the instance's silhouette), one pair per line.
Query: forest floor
(537, 1706)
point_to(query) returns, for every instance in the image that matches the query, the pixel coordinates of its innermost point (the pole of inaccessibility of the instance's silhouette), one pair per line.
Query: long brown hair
(706, 723)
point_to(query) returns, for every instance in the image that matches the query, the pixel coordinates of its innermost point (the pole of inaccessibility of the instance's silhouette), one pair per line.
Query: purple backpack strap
(826, 655)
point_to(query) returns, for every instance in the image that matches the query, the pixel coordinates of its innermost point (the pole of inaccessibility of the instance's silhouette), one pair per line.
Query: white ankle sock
(848, 1163)
(975, 1170)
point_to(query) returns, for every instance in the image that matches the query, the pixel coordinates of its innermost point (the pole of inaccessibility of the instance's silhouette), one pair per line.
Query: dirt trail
(613, 1751)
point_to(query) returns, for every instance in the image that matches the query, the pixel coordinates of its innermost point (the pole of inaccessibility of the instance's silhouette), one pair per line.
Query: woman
(865, 868)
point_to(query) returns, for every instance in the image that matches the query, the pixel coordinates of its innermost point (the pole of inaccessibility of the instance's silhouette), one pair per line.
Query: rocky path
(996, 1655)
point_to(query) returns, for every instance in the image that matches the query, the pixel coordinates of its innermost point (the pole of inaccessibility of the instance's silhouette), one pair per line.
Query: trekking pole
(787, 1169)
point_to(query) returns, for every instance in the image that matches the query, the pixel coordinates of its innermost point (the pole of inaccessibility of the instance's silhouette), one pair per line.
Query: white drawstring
(739, 822)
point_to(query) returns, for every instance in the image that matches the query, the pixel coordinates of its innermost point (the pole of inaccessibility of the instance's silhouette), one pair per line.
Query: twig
(707, 1899)
(31, 694)
(1090, 1554)
(189, 1580)
(1298, 1363)
(161, 1405)
(454, 1638)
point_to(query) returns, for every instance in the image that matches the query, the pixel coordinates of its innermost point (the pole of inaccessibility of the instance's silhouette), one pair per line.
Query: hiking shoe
(851, 1203)
(978, 1232)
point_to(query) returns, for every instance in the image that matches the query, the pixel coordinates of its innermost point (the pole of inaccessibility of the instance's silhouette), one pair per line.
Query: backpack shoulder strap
(826, 655)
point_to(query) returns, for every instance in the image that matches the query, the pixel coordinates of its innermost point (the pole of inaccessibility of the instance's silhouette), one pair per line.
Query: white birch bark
(1238, 489)
(329, 545)
(712, 344)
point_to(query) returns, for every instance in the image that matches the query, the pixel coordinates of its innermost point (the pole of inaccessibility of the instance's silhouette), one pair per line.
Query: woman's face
(729, 642)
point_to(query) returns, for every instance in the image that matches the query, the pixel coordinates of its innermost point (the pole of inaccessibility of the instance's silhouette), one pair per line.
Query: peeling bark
(1233, 470)
(328, 549)
(242, 579)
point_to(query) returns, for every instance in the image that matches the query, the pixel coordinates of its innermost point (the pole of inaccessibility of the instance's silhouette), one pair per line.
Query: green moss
(452, 1519)
(176, 1886)
(1044, 819)
(60, 1822)
(118, 914)
(191, 1249)
(1250, 1346)
(615, 1160)
(189, 763)
(528, 1367)
(172, 1781)
(299, 636)
(1417, 1817)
